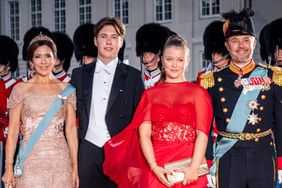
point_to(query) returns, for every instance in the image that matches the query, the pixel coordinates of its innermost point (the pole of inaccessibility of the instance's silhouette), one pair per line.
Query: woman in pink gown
(52, 161)
(171, 123)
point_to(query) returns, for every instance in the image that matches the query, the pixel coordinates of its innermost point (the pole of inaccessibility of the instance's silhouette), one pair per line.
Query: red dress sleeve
(203, 109)
(124, 160)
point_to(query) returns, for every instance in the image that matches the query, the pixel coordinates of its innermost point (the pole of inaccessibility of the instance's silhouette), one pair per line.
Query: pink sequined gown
(48, 165)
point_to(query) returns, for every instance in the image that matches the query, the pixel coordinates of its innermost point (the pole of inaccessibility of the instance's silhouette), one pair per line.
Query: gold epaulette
(207, 80)
(277, 73)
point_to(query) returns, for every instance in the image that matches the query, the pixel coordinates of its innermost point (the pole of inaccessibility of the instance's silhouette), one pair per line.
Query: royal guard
(9, 61)
(150, 39)
(215, 51)
(26, 40)
(64, 54)
(84, 49)
(217, 55)
(247, 107)
(271, 43)
(8, 64)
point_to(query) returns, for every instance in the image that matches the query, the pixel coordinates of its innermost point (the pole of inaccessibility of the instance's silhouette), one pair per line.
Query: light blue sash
(54, 108)
(238, 120)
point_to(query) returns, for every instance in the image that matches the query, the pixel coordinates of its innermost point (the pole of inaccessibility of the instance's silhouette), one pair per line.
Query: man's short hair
(113, 21)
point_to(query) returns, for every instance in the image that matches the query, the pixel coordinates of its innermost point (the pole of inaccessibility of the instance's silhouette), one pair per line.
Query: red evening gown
(176, 111)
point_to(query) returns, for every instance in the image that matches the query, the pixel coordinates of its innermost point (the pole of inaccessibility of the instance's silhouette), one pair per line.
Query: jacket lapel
(87, 83)
(118, 83)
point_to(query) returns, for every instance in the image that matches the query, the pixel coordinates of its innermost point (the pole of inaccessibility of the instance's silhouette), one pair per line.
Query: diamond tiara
(42, 37)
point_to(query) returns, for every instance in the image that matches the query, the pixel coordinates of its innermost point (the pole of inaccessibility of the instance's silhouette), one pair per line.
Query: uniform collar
(244, 70)
(6, 77)
(153, 73)
(60, 74)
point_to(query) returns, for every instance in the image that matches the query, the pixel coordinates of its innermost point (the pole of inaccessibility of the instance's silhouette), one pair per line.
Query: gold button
(256, 140)
(261, 108)
(263, 97)
(222, 99)
(248, 136)
(219, 79)
(227, 120)
(271, 143)
(258, 130)
(225, 110)
(220, 89)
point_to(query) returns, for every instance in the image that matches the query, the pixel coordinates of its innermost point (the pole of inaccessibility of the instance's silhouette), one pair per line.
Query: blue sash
(54, 108)
(237, 121)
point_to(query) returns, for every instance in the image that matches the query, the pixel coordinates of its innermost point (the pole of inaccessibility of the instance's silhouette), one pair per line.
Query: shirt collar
(108, 68)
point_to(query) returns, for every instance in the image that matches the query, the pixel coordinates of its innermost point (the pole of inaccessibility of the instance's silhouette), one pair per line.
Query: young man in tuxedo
(108, 92)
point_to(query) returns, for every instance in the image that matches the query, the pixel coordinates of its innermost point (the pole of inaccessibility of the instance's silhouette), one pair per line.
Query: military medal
(253, 118)
(253, 104)
(255, 83)
(237, 82)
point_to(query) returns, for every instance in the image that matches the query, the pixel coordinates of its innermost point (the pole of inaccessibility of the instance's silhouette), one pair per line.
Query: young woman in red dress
(171, 123)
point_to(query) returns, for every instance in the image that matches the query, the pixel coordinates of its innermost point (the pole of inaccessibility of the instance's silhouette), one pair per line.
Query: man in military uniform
(150, 39)
(247, 106)
(64, 54)
(8, 64)
(215, 51)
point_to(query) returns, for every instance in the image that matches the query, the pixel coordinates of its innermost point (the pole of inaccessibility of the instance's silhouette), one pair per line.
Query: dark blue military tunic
(250, 162)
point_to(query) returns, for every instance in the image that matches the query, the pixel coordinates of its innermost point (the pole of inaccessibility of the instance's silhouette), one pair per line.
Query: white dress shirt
(97, 132)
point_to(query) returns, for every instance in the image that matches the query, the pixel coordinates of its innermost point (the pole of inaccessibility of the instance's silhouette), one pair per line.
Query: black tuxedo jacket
(126, 91)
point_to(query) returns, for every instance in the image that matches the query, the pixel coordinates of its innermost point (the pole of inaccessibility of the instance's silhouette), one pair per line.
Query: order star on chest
(253, 118)
(253, 104)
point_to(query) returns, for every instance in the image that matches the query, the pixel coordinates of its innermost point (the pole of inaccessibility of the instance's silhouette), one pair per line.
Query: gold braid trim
(244, 136)
(207, 80)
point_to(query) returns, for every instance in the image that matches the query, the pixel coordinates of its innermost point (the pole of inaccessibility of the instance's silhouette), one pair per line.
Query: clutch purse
(176, 177)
